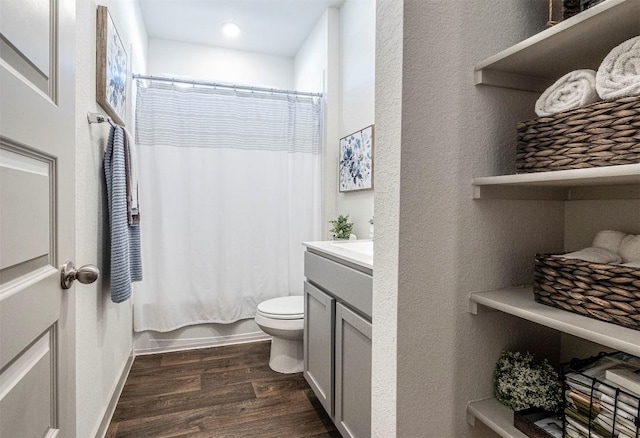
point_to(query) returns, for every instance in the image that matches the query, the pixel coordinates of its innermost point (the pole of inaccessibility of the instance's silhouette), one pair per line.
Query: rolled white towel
(619, 73)
(594, 255)
(629, 248)
(573, 90)
(609, 239)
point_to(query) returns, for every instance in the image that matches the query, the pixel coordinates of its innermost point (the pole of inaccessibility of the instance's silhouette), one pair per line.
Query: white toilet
(283, 319)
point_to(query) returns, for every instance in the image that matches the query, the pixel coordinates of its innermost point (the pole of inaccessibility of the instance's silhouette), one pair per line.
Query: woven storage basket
(609, 293)
(600, 134)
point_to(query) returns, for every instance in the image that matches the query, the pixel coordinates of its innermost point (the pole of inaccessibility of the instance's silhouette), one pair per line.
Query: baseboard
(170, 345)
(115, 396)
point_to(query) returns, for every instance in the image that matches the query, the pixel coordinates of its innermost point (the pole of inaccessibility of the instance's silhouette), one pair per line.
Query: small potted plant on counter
(341, 227)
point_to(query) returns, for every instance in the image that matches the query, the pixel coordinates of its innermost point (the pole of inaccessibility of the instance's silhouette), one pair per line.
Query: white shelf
(581, 41)
(520, 302)
(495, 415)
(610, 182)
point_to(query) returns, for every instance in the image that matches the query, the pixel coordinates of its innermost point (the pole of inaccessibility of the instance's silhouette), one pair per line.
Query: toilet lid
(283, 307)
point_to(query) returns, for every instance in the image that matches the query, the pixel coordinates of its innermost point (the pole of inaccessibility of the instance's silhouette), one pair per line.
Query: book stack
(602, 399)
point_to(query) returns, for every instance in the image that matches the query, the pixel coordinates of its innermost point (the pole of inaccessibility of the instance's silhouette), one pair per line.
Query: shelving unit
(581, 41)
(612, 182)
(519, 302)
(495, 415)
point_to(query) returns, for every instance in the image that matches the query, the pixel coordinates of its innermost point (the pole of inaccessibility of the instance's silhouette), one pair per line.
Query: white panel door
(37, 202)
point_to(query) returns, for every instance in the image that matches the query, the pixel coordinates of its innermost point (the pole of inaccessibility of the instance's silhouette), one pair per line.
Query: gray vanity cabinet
(337, 340)
(319, 311)
(353, 374)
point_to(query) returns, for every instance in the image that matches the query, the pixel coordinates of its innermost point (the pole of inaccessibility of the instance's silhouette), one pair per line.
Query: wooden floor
(217, 392)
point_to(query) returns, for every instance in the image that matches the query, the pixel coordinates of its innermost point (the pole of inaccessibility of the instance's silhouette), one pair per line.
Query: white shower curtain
(230, 187)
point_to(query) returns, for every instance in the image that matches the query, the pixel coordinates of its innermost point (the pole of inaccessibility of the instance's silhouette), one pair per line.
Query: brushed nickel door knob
(84, 274)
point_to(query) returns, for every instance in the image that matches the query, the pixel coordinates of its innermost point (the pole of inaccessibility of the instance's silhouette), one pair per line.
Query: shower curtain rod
(230, 87)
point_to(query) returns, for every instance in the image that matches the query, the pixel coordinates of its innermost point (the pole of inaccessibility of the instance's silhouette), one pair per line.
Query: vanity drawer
(346, 284)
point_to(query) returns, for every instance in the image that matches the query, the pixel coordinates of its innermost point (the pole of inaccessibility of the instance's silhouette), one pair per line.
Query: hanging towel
(573, 90)
(619, 74)
(126, 262)
(131, 169)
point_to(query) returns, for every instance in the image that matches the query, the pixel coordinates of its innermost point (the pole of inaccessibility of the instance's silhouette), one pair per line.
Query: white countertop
(359, 252)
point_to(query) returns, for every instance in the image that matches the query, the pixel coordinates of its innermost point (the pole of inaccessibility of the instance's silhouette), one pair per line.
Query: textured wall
(583, 219)
(227, 66)
(448, 244)
(388, 111)
(104, 329)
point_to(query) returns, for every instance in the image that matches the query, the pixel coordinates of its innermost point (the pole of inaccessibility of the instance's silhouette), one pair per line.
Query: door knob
(84, 274)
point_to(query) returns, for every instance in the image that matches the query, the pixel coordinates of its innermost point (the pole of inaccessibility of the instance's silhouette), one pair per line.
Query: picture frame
(111, 68)
(356, 161)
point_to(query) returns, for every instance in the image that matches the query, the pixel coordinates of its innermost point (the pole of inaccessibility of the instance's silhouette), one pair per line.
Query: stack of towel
(611, 247)
(618, 76)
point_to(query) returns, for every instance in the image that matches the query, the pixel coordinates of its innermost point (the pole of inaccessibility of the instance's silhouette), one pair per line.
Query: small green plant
(522, 383)
(341, 227)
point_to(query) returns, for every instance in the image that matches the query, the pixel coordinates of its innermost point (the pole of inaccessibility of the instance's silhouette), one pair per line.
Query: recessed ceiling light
(230, 30)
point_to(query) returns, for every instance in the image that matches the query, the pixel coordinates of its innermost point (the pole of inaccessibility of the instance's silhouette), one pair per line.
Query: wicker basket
(600, 134)
(609, 293)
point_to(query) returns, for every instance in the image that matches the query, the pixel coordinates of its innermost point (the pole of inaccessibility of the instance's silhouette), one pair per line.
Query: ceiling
(275, 27)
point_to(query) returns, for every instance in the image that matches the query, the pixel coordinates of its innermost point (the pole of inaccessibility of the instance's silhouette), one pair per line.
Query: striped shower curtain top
(187, 117)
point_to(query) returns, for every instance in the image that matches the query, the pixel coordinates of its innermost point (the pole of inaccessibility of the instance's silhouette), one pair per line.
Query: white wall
(357, 97)
(317, 69)
(177, 59)
(311, 62)
(338, 58)
(104, 329)
(448, 245)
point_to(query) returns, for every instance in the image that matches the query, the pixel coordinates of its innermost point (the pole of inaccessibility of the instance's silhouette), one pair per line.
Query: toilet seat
(283, 319)
(284, 308)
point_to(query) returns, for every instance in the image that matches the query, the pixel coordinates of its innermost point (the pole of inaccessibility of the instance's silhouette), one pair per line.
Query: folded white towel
(594, 255)
(619, 74)
(630, 248)
(609, 239)
(573, 90)
(635, 264)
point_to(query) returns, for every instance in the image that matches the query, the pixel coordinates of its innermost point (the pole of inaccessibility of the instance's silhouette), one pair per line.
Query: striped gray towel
(126, 261)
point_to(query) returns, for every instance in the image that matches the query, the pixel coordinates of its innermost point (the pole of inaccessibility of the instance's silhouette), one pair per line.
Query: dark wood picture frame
(111, 68)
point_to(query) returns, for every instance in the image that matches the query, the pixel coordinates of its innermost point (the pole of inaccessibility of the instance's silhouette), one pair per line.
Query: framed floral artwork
(111, 68)
(356, 161)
